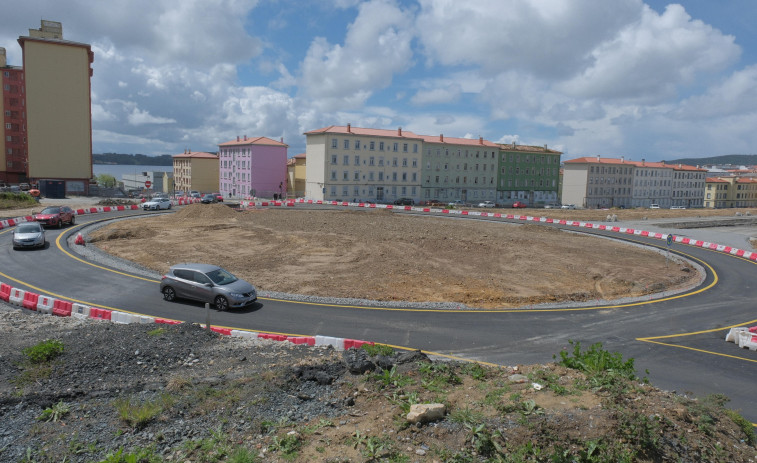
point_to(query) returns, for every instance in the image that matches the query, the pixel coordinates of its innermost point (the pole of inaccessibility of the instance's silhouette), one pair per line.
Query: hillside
(732, 159)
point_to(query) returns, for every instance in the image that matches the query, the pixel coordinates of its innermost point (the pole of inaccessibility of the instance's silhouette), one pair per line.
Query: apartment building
(296, 176)
(530, 174)
(47, 111)
(255, 166)
(195, 171)
(688, 186)
(730, 191)
(346, 163)
(458, 169)
(596, 182)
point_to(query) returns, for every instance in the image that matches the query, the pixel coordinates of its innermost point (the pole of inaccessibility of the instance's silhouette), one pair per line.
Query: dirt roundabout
(386, 256)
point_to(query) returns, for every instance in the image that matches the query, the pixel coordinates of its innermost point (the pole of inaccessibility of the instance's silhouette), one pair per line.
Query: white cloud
(139, 117)
(377, 46)
(735, 96)
(448, 94)
(648, 60)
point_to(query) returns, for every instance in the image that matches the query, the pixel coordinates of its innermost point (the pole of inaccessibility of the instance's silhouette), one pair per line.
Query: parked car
(568, 206)
(195, 194)
(654, 206)
(56, 216)
(404, 202)
(457, 203)
(29, 235)
(209, 198)
(157, 204)
(518, 204)
(678, 207)
(219, 197)
(24, 186)
(486, 204)
(207, 283)
(552, 206)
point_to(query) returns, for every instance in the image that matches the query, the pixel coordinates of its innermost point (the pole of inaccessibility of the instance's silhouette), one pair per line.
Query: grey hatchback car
(207, 283)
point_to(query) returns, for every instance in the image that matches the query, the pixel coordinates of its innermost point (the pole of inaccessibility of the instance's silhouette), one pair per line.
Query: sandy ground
(381, 255)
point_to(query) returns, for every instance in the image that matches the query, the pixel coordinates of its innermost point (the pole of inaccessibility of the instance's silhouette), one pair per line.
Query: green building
(529, 174)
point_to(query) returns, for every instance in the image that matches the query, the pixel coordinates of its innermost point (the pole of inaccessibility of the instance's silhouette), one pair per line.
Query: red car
(219, 197)
(56, 216)
(519, 204)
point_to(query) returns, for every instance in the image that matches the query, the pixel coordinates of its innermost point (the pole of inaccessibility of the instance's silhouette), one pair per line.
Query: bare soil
(382, 255)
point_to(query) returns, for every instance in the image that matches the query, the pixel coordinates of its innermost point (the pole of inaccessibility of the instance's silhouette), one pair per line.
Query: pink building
(253, 167)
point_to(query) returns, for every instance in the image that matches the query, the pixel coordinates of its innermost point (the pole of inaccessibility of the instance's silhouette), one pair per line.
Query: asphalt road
(689, 354)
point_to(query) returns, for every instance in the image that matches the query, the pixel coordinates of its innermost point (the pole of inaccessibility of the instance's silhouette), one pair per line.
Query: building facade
(596, 182)
(13, 151)
(730, 191)
(296, 176)
(196, 171)
(530, 174)
(56, 108)
(458, 169)
(252, 167)
(346, 163)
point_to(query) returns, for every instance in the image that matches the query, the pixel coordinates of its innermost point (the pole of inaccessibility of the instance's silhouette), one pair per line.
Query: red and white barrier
(45, 305)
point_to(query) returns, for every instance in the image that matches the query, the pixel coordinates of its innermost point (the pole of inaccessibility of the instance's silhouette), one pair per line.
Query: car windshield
(50, 210)
(221, 277)
(28, 228)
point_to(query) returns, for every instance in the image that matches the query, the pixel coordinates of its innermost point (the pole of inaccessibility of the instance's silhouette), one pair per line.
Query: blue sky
(641, 79)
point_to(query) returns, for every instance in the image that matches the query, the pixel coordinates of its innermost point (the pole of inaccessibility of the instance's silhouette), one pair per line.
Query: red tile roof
(253, 141)
(348, 129)
(299, 156)
(659, 165)
(715, 180)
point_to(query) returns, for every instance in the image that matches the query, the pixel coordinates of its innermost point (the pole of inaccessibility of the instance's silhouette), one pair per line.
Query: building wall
(195, 173)
(527, 173)
(574, 184)
(652, 185)
(252, 170)
(300, 176)
(57, 82)
(13, 151)
(453, 171)
(316, 159)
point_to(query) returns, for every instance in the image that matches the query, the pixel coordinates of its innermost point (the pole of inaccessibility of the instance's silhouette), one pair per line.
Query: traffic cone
(79, 239)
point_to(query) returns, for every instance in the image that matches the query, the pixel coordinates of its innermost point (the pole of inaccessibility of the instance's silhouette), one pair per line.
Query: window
(404, 147)
(404, 162)
(370, 161)
(394, 161)
(381, 146)
(333, 142)
(370, 175)
(357, 160)
(357, 144)
(346, 144)
(396, 147)
(357, 175)
(415, 147)
(381, 176)
(404, 176)
(415, 176)
(373, 145)
(346, 160)
(394, 176)
(345, 175)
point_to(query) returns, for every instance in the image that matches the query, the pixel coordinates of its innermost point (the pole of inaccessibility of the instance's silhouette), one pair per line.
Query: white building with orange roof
(353, 163)
(652, 184)
(688, 186)
(597, 182)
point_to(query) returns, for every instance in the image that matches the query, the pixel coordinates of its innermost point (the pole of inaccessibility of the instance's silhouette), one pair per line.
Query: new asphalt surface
(678, 339)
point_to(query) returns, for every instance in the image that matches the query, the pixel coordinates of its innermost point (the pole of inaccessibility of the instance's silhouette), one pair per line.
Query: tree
(106, 181)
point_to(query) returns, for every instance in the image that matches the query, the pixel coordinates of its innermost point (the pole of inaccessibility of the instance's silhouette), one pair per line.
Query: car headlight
(237, 295)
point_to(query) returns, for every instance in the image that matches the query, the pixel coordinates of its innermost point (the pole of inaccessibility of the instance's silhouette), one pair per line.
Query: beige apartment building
(195, 171)
(296, 176)
(57, 102)
(730, 191)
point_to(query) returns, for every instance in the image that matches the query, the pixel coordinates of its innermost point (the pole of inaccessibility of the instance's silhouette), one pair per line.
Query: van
(654, 206)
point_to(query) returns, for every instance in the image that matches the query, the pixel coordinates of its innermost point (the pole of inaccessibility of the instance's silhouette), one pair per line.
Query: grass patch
(54, 413)
(136, 414)
(378, 349)
(10, 200)
(43, 352)
(602, 368)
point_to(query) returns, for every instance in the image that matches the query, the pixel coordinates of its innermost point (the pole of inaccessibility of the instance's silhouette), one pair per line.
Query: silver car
(29, 235)
(157, 204)
(207, 283)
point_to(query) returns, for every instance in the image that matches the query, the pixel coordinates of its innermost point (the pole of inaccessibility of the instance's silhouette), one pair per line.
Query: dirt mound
(206, 212)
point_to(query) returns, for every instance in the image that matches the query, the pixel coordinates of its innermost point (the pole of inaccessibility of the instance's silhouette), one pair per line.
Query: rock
(426, 413)
(516, 378)
(357, 361)
(412, 356)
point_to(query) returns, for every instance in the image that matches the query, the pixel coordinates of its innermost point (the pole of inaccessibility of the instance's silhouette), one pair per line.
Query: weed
(156, 332)
(466, 416)
(745, 425)
(378, 349)
(475, 371)
(287, 445)
(44, 351)
(142, 455)
(603, 368)
(138, 415)
(54, 413)
(310, 429)
(392, 378)
(404, 401)
(642, 430)
(529, 407)
(493, 396)
(243, 455)
(267, 426)
(483, 440)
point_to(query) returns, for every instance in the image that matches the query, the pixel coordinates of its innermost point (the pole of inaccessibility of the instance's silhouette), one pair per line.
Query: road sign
(148, 184)
(670, 240)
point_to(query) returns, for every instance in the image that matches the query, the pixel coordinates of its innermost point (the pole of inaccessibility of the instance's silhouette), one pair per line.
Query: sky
(640, 79)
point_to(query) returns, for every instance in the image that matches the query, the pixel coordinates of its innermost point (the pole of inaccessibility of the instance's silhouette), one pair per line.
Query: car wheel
(60, 223)
(221, 303)
(73, 220)
(169, 294)
(169, 206)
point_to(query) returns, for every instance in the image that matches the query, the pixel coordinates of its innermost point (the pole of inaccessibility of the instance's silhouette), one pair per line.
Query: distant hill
(132, 159)
(733, 159)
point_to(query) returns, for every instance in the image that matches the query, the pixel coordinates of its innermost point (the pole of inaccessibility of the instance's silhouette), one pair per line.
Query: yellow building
(296, 177)
(196, 171)
(57, 97)
(726, 192)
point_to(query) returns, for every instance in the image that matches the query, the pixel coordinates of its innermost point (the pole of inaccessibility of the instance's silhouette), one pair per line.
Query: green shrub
(602, 368)
(378, 349)
(44, 351)
(54, 413)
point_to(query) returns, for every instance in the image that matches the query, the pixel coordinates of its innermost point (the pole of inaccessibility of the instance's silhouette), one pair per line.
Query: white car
(157, 204)
(486, 204)
(568, 206)
(654, 206)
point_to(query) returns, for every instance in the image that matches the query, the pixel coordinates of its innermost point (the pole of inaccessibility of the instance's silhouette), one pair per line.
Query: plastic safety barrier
(45, 305)
(166, 321)
(244, 334)
(99, 314)
(337, 343)
(80, 311)
(350, 343)
(5, 291)
(62, 308)
(17, 296)
(273, 337)
(224, 331)
(307, 340)
(30, 300)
